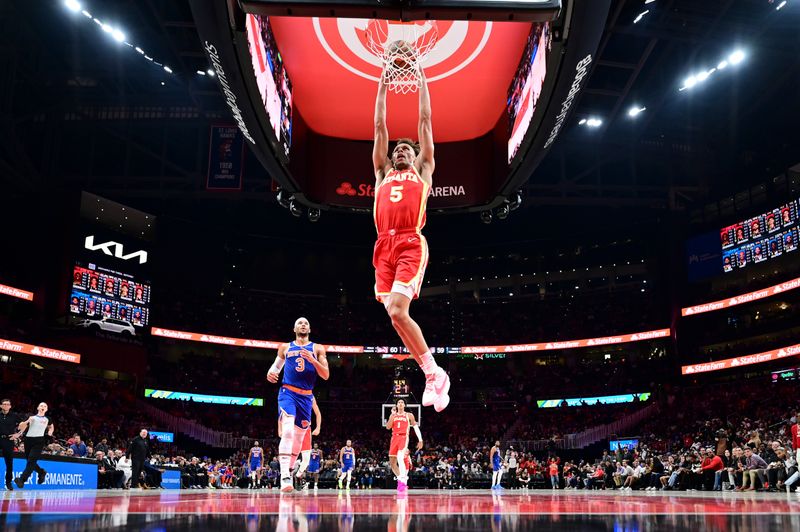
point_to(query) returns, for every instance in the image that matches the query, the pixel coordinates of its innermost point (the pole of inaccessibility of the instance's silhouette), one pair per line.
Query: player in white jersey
(36, 427)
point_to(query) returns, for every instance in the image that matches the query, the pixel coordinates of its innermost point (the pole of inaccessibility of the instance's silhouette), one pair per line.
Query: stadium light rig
(115, 33)
(591, 122)
(635, 111)
(734, 58)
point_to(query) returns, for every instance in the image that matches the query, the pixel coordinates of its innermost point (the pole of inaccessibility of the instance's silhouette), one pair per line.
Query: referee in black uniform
(8, 427)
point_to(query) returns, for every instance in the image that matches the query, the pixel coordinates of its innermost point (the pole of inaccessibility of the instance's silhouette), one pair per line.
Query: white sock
(427, 363)
(285, 461)
(306, 456)
(285, 446)
(401, 466)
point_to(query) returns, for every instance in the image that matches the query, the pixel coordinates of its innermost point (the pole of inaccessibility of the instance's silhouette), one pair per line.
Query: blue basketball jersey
(256, 454)
(298, 371)
(316, 456)
(347, 455)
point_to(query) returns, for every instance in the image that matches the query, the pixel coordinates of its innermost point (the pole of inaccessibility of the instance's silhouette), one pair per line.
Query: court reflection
(296, 514)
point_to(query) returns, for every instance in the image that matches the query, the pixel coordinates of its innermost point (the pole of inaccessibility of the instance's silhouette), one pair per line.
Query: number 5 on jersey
(396, 193)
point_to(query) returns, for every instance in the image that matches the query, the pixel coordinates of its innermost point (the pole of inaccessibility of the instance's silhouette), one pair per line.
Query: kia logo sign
(107, 247)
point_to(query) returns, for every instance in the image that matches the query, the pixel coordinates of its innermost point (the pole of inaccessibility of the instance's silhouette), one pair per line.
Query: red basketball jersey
(400, 201)
(400, 425)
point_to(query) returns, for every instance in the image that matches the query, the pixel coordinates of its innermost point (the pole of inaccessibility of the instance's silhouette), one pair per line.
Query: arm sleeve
(277, 366)
(417, 432)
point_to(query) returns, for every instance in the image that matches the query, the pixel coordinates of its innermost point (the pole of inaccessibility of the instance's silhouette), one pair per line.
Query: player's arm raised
(318, 359)
(277, 366)
(317, 413)
(390, 421)
(424, 161)
(414, 425)
(380, 150)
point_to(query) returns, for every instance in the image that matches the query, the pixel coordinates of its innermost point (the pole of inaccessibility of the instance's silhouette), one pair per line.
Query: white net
(402, 48)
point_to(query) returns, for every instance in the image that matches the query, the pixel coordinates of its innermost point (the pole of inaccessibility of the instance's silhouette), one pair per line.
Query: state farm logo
(346, 189)
(457, 43)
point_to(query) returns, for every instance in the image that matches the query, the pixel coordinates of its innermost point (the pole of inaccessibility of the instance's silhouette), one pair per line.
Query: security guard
(8, 427)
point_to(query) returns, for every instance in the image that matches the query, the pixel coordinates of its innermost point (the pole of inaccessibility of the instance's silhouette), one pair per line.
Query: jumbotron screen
(100, 293)
(526, 88)
(274, 85)
(760, 238)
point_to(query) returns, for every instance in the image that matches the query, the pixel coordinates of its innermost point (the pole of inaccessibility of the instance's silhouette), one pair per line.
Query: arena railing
(401, 352)
(596, 434)
(190, 428)
(582, 439)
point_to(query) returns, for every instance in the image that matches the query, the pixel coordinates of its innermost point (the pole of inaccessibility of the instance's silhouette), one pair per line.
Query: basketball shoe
(437, 386)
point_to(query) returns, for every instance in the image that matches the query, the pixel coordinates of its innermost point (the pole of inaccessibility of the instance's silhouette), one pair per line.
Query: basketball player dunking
(304, 360)
(399, 460)
(402, 184)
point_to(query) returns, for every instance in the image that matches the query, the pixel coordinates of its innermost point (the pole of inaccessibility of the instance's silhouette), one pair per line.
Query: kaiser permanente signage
(747, 360)
(62, 473)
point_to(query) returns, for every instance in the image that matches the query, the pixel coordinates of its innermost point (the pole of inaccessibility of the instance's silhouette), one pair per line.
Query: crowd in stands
(721, 427)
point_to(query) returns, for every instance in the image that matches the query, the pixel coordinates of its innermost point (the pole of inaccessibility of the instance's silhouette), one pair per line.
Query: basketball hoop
(401, 47)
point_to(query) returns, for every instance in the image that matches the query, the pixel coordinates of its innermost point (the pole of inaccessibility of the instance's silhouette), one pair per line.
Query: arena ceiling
(79, 112)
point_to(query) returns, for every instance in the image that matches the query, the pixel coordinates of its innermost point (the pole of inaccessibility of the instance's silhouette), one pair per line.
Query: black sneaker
(9, 486)
(41, 477)
(18, 481)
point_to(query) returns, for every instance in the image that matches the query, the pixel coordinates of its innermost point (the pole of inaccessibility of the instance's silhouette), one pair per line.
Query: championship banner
(744, 298)
(225, 158)
(38, 351)
(62, 474)
(16, 292)
(747, 360)
(569, 344)
(203, 398)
